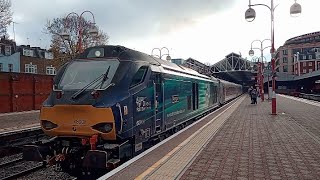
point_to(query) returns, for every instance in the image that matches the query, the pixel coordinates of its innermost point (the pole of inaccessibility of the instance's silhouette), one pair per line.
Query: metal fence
(23, 92)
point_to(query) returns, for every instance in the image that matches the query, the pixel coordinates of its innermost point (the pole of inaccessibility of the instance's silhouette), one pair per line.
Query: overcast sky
(206, 30)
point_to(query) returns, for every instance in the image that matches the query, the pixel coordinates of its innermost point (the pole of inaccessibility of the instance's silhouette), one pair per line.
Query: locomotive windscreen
(89, 74)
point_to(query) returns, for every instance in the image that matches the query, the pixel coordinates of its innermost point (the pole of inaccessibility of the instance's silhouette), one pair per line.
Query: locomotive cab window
(90, 74)
(139, 76)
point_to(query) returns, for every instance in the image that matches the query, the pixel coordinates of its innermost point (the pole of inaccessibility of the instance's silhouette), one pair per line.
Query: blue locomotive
(112, 103)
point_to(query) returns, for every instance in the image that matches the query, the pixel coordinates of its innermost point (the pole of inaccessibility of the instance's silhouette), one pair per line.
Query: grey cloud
(121, 19)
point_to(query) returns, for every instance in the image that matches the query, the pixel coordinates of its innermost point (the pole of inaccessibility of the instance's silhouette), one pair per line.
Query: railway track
(12, 142)
(3, 165)
(16, 136)
(18, 168)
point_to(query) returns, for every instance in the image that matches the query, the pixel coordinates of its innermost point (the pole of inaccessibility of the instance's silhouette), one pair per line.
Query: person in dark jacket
(249, 92)
(254, 95)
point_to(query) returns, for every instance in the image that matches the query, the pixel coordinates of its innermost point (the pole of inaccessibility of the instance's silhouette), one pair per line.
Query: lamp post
(260, 64)
(92, 31)
(253, 65)
(168, 58)
(250, 15)
(298, 61)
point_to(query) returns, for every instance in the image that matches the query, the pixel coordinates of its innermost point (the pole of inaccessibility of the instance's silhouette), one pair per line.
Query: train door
(195, 96)
(221, 93)
(158, 103)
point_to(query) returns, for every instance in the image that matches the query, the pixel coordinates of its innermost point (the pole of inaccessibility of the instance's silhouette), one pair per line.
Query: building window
(50, 70)
(285, 68)
(1, 67)
(304, 71)
(317, 55)
(310, 63)
(10, 67)
(310, 56)
(285, 60)
(304, 57)
(29, 68)
(304, 64)
(48, 55)
(310, 70)
(285, 52)
(7, 50)
(31, 53)
(26, 52)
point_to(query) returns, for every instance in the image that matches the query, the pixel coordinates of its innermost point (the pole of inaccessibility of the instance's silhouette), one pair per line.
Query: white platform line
(126, 164)
(20, 130)
(301, 100)
(18, 113)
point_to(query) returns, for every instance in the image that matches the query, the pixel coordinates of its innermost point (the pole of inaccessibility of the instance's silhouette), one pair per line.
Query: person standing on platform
(254, 95)
(249, 92)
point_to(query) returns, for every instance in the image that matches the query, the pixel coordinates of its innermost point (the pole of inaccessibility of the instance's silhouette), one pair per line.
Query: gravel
(47, 173)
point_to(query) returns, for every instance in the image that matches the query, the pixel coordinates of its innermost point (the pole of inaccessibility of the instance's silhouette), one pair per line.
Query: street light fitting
(250, 14)
(93, 31)
(168, 58)
(251, 52)
(65, 35)
(295, 9)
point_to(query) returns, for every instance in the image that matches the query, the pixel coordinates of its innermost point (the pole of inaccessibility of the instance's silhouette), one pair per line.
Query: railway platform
(239, 141)
(19, 120)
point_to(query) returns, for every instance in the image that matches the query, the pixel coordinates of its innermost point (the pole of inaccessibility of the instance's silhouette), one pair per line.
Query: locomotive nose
(78, 121)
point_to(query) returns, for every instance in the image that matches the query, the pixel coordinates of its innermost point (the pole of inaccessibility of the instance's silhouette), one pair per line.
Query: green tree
(66, 49)
(5, 16)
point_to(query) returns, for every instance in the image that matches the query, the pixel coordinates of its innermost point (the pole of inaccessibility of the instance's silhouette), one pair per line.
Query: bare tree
(72, 25)
(5, 16)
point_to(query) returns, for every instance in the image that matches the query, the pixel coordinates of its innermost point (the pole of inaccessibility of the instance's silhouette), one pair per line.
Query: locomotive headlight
(103, 127)
(47, 125)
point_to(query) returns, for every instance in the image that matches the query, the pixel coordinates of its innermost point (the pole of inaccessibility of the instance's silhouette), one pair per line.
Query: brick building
(299, 55)
(37, 61)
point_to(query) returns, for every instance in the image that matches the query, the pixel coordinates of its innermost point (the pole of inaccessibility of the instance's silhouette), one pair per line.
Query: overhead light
(295, 9)
(168, 58)
(93, 31)
(250, 14)
(65, 35)
(251, 52)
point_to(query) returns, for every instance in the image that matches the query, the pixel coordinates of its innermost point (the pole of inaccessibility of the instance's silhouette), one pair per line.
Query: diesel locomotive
(111, 103)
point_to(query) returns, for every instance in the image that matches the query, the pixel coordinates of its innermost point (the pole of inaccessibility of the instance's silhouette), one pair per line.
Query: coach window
(138, 78)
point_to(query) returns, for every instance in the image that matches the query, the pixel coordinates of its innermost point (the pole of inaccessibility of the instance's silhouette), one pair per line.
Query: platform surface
(244, 142)
(19, 120)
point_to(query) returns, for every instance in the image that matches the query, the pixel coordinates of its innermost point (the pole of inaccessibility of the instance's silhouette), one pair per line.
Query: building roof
(305, 38)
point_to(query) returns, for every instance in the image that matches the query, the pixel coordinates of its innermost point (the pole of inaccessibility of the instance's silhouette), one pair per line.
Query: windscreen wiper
(104, 76)
(76, 94)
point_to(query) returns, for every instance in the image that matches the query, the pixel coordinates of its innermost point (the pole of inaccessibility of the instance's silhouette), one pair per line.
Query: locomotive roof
(123, 53)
